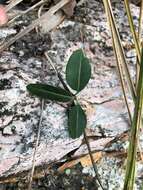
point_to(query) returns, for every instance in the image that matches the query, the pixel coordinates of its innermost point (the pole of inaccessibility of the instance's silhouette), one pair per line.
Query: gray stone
(102, 98)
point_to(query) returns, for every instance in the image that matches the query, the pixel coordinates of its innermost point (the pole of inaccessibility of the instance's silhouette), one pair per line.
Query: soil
(71, 179)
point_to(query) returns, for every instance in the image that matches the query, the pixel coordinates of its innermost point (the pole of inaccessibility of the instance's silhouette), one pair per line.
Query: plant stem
(57, 73)
(92, 161)
(85, 137)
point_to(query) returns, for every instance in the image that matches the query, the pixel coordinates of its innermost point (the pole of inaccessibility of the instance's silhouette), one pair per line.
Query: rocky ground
(24, 62)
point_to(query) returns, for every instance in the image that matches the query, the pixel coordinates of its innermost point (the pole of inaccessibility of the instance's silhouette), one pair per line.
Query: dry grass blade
(140, 21)
(135, 37)
(132, 151)
(28, 10)
(139, 39)
(12, 4)
(35, 23)
(118, 55)
(119, 47)
(121, 76)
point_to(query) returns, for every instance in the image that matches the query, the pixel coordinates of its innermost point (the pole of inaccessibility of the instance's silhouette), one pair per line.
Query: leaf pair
(78, 73)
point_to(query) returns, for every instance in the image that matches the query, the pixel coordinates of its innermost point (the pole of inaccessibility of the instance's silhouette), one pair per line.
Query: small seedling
(78, 73)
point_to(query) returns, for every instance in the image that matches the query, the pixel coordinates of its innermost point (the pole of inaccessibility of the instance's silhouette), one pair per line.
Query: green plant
(78, 73)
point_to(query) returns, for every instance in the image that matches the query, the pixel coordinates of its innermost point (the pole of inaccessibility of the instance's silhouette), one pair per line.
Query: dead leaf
(86, 161)
(68, 165)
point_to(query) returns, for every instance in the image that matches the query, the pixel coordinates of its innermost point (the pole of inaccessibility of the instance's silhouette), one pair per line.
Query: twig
(36, 146)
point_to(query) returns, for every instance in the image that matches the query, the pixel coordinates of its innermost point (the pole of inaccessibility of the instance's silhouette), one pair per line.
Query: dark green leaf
(76, 121)
(50, 92)
(78, 70)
